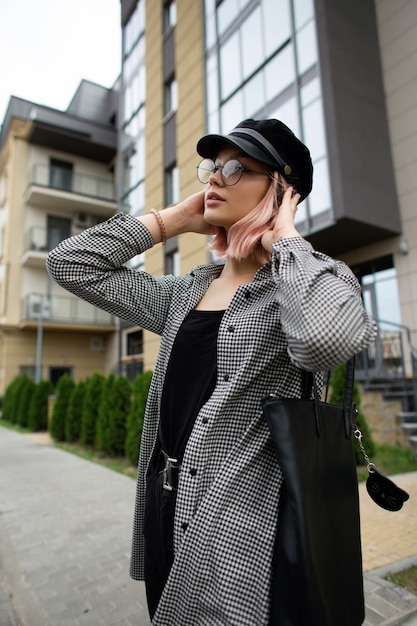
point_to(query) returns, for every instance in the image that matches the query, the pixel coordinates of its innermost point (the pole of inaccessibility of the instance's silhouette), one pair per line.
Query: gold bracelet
(161, 225)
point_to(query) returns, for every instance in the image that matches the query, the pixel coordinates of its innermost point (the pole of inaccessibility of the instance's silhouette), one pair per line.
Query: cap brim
(210, 145)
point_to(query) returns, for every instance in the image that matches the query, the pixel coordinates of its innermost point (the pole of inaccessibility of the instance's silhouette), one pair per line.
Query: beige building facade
(344, 79)
(342, 75)
(56, 178)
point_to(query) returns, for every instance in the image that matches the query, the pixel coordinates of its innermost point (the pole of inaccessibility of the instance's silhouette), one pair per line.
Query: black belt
(171, 472)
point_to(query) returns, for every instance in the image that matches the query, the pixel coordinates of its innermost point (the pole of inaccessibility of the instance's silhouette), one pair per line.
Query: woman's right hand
(192, 210)
(185, 217)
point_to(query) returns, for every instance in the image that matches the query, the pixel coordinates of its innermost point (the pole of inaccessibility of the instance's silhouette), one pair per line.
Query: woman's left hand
(283, 225)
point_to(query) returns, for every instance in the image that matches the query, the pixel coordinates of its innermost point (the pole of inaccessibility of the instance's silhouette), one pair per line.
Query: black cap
(271, 142)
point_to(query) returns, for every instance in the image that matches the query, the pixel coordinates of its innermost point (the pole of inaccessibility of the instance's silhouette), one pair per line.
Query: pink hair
(244, 237)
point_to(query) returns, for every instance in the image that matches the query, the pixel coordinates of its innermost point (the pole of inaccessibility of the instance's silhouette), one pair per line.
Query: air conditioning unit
(83, 220)
(37, 307)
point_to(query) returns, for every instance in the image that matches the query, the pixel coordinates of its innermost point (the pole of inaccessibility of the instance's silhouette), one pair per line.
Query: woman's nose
(216, 176)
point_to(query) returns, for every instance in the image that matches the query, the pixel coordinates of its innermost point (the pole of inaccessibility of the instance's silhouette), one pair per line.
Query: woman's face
(224, 205)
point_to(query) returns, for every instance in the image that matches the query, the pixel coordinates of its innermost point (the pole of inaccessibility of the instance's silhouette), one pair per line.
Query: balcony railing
(65, 180)
(63, 310)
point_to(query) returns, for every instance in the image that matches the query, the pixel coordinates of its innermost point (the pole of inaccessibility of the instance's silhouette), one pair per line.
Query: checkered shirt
(302, 310)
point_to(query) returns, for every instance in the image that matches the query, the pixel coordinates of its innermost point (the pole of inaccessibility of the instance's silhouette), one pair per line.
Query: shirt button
(205, 420)
(226, 378)
(184, 526)
(231, 329)
(247, 294)
(193, 471)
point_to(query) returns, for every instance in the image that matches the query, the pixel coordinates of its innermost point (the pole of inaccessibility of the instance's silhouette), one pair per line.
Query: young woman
(208, 479)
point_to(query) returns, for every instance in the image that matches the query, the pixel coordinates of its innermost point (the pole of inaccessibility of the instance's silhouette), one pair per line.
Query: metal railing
(63, 309)
(392, 358)
(66, 180)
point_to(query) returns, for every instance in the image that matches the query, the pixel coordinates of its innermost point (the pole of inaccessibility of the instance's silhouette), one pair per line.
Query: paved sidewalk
(65, 530)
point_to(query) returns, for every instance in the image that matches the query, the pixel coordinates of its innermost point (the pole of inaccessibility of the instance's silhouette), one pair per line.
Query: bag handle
(309, 384)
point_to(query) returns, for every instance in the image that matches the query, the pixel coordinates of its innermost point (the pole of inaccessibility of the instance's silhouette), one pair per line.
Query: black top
(190, 378)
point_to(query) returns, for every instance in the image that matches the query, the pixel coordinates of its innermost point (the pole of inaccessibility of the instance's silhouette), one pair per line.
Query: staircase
(389, 366)
(409, 425)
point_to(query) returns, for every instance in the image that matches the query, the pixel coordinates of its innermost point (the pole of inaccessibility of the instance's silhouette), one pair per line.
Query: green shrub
(140, 389)
(64, 389)
(336, 397)
(26, 392)
(91, 405)
(74, 412)
(12, 397)
(38, 411)
(120, 405)
(104, 412)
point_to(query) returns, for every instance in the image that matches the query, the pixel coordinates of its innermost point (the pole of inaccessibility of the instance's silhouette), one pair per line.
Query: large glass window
(262, 61)
(133, 115)
(230, 67)
(172, 185)
(252, 55)
(170, 95)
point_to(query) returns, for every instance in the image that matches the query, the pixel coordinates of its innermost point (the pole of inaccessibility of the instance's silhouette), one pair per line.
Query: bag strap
(348, 404)
(309, 384)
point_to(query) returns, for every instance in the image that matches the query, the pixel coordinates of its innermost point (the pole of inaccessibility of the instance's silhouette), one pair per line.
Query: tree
(120, 405)
(63, 391)
(337, 396)
(91, 405)
(24, 401)
(12, 397)
(38, 411)
(103, 419)
(140, 390)
(74, 412)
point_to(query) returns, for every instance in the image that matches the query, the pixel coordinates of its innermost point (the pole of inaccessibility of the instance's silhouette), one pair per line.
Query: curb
(388, 604)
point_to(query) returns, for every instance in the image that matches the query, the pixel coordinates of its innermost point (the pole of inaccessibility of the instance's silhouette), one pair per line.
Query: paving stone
(65, 532)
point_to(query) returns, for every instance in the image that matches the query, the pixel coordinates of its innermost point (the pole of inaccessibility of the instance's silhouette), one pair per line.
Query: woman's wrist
(163, 224)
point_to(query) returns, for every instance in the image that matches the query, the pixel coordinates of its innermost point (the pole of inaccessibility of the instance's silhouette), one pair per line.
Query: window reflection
(319, 198)
(276, 22)
(232, 112)
(303, 11)
(280, 72)
(252, 53)
(306, 47)
(230, 66)
(314, 133)
(254, 95)
(226, 14)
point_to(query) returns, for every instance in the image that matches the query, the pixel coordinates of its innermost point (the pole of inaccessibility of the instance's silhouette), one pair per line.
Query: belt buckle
(168, 476)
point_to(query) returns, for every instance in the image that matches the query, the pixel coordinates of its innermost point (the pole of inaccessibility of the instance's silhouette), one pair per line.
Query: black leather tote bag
(317, 569)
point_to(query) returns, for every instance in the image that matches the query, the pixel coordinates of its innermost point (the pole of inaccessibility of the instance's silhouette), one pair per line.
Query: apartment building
(340, 74)
(57, 177)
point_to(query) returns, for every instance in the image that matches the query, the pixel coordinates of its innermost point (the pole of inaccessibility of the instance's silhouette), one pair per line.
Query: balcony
(62, 312)
(36, 248)
(63, 191)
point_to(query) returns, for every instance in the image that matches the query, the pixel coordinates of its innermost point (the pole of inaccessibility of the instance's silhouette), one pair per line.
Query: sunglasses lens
(231, 172)
(204, 170)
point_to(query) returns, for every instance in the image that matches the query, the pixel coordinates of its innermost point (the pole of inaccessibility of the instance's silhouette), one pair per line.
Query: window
(29, 370)
(172, 185)
(170, 96)
(60, 174)
(170, 14)
(172, 262)
(55, 373)
(58, 228)
(134, 343)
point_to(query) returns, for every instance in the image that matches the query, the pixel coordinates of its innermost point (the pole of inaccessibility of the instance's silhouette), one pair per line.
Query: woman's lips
(213, 198)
